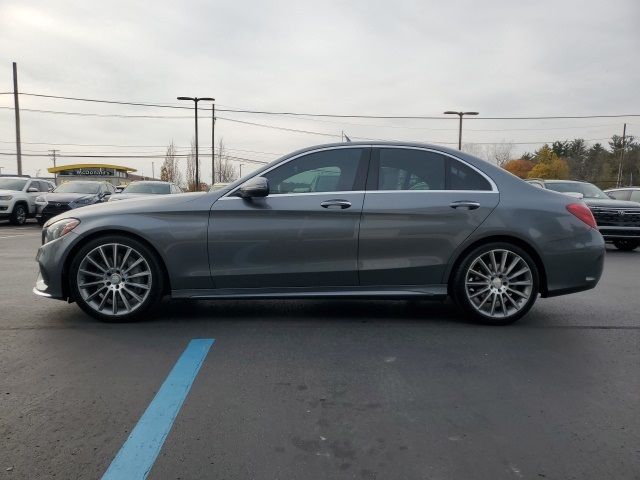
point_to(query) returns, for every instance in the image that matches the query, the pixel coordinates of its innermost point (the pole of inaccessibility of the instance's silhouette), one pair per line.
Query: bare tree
(225, 171)
(190, 179)
(499, 153)
(170, 170)
(474, 149)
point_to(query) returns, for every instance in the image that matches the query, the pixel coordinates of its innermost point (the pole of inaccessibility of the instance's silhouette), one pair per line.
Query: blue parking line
(139, 452)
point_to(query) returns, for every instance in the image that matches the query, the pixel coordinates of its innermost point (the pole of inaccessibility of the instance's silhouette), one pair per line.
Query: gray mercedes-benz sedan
(381, 220)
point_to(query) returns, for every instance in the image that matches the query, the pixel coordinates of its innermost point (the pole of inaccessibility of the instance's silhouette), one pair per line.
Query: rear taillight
(581, 211)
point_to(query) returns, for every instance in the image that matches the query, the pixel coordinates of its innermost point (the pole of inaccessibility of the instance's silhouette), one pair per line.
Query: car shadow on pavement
(333, 310)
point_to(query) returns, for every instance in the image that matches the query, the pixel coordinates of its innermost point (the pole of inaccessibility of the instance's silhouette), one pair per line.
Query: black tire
(19, 214)
(156, 280)
(458, 286)
(626, 245)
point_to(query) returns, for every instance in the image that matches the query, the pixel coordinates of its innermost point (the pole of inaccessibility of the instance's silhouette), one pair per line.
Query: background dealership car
(18, 197)
(625, 193)
(618, 220)
(344, 220)
(70, 195)
(145, 188)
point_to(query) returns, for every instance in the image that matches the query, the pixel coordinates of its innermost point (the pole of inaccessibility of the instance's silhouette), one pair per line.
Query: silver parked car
(375, 220)
(143, 188)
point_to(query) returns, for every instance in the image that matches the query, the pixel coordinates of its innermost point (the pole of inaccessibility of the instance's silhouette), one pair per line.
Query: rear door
(303, 234)
(419, 206)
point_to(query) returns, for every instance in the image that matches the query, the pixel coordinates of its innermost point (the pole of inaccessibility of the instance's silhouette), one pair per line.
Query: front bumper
(51, 257)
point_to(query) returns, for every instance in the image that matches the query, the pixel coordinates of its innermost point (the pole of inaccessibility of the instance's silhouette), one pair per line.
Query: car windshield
(150, 188)
(591, 191)
(586, 189)
(78, 187)
(12, 184)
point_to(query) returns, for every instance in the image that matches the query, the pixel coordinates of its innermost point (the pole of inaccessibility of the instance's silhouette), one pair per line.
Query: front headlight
(6, 197)
(40, 200)
(59, 229)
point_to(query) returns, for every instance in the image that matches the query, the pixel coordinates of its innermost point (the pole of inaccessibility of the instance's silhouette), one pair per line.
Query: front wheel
(19, 215)
(115, 278)
(496, 283)
(626, 245)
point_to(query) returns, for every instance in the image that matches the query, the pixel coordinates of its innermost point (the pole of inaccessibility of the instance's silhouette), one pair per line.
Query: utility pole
(153, 170)
(241, 169)
(17, 112)
(53, 154)
(195, 101)
(213, 144)
(624, 142)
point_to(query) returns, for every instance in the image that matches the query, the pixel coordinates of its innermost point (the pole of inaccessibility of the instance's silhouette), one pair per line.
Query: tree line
(605, 166)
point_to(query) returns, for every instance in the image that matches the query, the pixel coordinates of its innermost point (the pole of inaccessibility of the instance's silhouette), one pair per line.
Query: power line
(232, 158)
(331, 115)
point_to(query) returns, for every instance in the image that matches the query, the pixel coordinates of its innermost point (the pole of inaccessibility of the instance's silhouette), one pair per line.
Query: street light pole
(195, 101)
(460, 114)
(241, 165)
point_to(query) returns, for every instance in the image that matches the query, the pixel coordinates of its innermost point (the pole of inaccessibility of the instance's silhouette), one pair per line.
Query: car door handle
(465, 204)
(342, 204)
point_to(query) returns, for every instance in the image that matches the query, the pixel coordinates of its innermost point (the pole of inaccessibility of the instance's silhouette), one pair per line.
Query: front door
(303, 234)
(419, 206)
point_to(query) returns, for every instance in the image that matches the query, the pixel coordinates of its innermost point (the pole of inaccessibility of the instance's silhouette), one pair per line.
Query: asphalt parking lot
(325, 389)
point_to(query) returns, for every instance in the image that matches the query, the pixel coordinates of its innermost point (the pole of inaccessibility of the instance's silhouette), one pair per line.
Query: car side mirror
(32, 190)
(254, 187)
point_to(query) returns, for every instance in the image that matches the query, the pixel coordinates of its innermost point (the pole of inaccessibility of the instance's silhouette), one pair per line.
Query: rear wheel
(19, 214)
(496, 283)
(626, 245)
(115, 278)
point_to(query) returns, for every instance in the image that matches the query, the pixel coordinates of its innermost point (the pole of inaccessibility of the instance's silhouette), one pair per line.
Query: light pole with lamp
(195, 101)
(460, 114)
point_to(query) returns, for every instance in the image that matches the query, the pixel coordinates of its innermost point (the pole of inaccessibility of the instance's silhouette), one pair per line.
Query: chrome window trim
(494, 187)
(341, 192)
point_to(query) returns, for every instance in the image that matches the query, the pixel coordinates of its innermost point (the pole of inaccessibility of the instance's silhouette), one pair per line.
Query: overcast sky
(501, 58)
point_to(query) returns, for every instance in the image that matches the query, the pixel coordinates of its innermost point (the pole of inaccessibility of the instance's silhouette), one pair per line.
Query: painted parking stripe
(139, 452)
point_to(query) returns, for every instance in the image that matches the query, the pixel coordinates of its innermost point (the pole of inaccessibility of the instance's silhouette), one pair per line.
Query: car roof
(150, 181)
(84, 181)
(621, 188)
(562, 181)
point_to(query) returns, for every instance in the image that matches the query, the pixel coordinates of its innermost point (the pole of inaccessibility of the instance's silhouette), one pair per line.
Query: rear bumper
(574, 265)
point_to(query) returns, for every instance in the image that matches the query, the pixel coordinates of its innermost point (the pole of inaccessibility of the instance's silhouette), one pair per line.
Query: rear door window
(463, 177)
(410, 169)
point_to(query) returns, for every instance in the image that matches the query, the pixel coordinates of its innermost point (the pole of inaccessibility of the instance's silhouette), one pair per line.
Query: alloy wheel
(498, 283)
(21, 215)
(114, 279)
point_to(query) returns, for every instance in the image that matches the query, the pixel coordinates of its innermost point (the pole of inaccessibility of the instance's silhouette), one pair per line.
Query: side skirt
(430, 292)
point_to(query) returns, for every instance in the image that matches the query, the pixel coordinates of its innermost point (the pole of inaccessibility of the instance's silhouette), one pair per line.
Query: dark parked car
(70, 195)
(618, 220)
(145, 188)
(359, 220)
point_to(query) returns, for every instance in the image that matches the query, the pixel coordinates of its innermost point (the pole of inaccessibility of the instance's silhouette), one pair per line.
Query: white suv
(18, 197)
